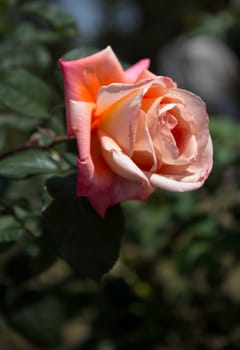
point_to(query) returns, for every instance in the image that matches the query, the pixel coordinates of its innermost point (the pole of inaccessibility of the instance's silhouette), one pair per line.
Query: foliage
(63, 285)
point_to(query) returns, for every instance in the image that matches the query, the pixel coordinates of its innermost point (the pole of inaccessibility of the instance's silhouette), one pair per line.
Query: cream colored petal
(153, 87)
(172, 185)
(119, 162)
(110, 94)
(120, 121)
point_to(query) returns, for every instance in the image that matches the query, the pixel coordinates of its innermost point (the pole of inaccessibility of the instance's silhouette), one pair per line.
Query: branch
(31, 145)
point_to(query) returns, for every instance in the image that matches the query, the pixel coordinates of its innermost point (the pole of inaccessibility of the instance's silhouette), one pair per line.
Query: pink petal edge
(84, 77)
(132, 73)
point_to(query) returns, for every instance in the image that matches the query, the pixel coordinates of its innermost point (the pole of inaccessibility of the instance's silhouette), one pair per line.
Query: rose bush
(135, 131)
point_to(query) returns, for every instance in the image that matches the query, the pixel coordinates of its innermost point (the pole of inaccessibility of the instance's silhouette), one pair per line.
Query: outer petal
(84, 77)
(203, 164)
(93, 174)
(80, 114)
(133, 73)
(80, 117)
(118, 190)
(105, 188)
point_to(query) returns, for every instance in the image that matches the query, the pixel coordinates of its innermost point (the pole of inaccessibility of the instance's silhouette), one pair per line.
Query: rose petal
(102, 186)
(203, 164)
(120, 121)
(159, 125)
(84, 77)
(93, 173)
(189, 152)
(191, 178)
(146, 74)
(114, 93)
(193, 111)
(159, 86)
(144, 152)
(118, 190)
(120, 163)
(172, 185)
(80, 116)
(150, 88)
(133, 73)
(118, 107)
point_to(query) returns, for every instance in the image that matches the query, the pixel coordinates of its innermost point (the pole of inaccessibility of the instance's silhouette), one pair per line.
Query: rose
(135, 131)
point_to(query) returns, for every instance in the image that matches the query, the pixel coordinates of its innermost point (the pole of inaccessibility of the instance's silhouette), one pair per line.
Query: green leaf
(29, 55)
(223, 128)
(53, 15)
(20, 102)
(25, 93)
(225, 135)
(206, 228)
(2, 137)
(32, 162)
(28, 83)
(17, 122)
(10, 229)
(37, 317)
(28, 33)
(75, 232)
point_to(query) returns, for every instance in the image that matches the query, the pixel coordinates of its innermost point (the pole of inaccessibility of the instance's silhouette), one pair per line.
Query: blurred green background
(176, 284)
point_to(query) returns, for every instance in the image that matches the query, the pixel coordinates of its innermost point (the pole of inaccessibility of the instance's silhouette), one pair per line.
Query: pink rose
(135, 131)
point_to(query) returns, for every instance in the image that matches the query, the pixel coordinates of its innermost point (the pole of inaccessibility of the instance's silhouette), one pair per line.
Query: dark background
(176, 284)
